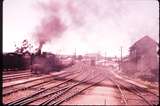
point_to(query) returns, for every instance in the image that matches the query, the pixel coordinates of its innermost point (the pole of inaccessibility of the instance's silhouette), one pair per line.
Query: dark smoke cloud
(122, 21)
(50, 27)
(53, 25)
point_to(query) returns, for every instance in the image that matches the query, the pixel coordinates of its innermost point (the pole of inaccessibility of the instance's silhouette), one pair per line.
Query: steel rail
(13, 90)
(39, 92)
(49, 93)
(139, 87)
(14, 72)
(13, 75)
(75, 94)
(143, 89)
(51, 80)
(136, 93)
(17, 77)
(122, 93)
(39, 79)
(47, 102)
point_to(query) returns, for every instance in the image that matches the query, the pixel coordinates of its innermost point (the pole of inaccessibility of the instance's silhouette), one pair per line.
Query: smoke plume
(50, 26)
(53, 24)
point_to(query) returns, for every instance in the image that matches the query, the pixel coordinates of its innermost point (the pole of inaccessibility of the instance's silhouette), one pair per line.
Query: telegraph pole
(105, 57)
(75, 53)
(120, 66)
(121, 54)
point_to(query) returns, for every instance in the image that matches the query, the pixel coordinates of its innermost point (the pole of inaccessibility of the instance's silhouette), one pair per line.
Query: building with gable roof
(143, 58)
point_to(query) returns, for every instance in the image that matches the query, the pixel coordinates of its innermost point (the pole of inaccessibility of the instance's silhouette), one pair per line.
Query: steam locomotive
(38, 62)
(45, 63)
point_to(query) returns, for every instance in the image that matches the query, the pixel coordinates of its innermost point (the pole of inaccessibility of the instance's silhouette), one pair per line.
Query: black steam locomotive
(37, 62)
(45, 63)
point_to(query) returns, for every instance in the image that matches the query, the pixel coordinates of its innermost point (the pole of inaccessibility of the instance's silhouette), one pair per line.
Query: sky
(91, 26)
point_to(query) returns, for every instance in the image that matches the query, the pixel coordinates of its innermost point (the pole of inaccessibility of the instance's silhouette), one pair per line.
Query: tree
(25, 47)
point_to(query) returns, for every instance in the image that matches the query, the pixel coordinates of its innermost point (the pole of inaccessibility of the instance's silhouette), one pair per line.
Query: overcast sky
(99, 26)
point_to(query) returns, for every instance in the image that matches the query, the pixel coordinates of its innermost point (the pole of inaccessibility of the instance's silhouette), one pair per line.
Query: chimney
(39, 52)
(39, 49)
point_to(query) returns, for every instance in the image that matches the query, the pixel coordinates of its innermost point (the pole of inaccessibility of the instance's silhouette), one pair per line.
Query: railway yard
(80, 52)
(80, 84)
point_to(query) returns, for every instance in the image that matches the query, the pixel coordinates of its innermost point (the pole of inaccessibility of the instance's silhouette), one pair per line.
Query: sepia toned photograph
(80, 52)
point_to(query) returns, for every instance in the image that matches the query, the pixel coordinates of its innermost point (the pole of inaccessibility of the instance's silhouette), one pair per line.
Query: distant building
(145, 46)
(143, 57)
(95, 56)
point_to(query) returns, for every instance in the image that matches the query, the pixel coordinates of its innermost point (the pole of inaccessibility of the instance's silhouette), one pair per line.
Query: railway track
(48, 90)
(75, 89)
(21, 76)
(58, 93)
(131, 92)
(17, 77)
(123, 96)
(71, 83)
(34, 83)
(137, 91)
(35, 87)
(11, 76)
(65, 90)
(15, 72)
(72, 91)
(14, 75)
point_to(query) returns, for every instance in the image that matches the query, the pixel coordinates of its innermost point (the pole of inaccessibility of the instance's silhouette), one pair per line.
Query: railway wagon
(13, 61)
